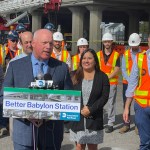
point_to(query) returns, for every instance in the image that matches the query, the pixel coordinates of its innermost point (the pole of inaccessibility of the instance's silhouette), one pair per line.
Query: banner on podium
(42, 104)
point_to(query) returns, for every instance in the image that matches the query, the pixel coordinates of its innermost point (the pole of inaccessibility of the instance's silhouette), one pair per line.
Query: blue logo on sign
(41, 83)
(70, 116)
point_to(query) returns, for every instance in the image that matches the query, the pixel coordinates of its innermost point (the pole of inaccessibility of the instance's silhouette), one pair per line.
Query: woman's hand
(85, 111)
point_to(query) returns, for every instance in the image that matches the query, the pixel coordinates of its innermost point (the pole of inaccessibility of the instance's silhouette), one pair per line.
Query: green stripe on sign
(43, 91)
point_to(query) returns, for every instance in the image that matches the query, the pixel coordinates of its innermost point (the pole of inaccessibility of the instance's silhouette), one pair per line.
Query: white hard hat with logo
(134, 40)
(57, 36)
(82, 41)
(107, 37)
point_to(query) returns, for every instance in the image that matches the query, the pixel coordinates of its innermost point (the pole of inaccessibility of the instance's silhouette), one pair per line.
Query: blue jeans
(3, 121)
(142, 119)
(124, 100)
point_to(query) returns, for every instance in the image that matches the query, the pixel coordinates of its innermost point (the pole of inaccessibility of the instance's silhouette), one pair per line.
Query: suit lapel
(28, 68)
(51, 67)
(95, 81)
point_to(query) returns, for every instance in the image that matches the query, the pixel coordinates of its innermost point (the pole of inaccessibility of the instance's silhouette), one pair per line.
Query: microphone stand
(45, 77)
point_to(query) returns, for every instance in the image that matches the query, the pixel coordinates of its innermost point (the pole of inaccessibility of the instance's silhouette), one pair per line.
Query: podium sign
(42, 104)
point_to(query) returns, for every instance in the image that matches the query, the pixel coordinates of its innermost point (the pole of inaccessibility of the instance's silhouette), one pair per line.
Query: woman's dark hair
(78, 76)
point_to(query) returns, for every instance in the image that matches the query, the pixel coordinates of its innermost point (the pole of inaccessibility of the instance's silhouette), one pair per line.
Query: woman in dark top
(94, 85)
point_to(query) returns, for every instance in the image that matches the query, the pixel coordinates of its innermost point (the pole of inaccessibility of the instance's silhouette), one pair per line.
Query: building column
(133, 22)
(148, 12)
(36, 20)
(95, 22)
(77, 26)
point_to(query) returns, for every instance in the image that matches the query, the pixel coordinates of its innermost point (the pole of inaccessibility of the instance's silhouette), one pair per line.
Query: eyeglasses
(14, 41)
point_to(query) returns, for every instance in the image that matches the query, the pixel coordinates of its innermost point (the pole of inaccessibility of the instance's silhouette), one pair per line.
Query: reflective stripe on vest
(128, 64)
(2, 55)
(109, 67)
(20, 51)
(64, 55)
(75, 62)
(7, 50)
(142, 92)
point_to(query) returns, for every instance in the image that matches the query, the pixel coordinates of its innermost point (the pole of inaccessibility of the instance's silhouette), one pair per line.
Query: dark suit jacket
(20, 74)
(98, 98)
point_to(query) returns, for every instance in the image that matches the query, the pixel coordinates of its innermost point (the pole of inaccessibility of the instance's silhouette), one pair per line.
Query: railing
(12, 6)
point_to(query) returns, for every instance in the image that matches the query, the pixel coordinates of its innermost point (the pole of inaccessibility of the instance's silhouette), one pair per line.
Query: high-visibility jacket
(142, 91)
(108, 68)
(75, 62)
(2, 55)
(128, 63)
(7, 50)
(64, 55)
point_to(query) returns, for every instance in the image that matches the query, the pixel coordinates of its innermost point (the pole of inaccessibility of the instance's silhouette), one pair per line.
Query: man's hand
(126, 110)
(85, 111)
(126, 116)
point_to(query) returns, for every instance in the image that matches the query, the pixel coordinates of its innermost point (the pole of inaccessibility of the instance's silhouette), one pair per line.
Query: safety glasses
(20, 32)
(14, 41)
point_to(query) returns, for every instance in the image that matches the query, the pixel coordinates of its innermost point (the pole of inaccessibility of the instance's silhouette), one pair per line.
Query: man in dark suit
(20, 73)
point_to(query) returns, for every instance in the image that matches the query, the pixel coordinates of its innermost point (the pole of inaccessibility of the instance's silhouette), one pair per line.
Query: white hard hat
(57, 36)
(82, 41)
(107, 37)
(134, 40)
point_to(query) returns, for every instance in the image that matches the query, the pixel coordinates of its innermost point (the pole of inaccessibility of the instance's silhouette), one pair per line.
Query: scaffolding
(12, 6)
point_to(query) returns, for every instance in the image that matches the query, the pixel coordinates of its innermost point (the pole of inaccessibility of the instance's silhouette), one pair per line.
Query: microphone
(48, 80)
(33, 84)
(47, 77)
(43, 81)
(40, 82)
(40, 76)
(50, 83)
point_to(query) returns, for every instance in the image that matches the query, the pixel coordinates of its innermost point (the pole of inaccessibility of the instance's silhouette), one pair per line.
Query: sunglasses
(14, 41)
(20, 32)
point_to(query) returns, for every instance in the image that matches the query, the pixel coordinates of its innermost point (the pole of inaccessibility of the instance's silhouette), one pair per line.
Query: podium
(42, 104)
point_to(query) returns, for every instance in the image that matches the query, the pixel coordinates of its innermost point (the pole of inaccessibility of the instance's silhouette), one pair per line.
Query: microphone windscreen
(47, 77)
(35, 78)
(40, 76)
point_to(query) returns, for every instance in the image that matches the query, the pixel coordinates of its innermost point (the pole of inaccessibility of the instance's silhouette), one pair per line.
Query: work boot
(124, 129)
(136, 130)
(3, 131)
(109, 129)
(66, 130)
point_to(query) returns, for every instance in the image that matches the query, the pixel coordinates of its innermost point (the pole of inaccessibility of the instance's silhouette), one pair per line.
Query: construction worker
(127, 62)
(58, 52)
(11, 49)
(82, 45)
(20, 28)
(139, 90)
(50, 27)
(26, 43)
(2, 56)
(110, 64)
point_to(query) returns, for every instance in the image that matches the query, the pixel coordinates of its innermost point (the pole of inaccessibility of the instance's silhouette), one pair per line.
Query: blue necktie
(40, 74)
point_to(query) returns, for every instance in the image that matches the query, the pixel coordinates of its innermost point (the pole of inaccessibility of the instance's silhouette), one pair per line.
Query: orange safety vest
(17, 52)
(75, 62)
(2, 55)
(128, 64)
(109, 67)
(64, 55)
(142, 91)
